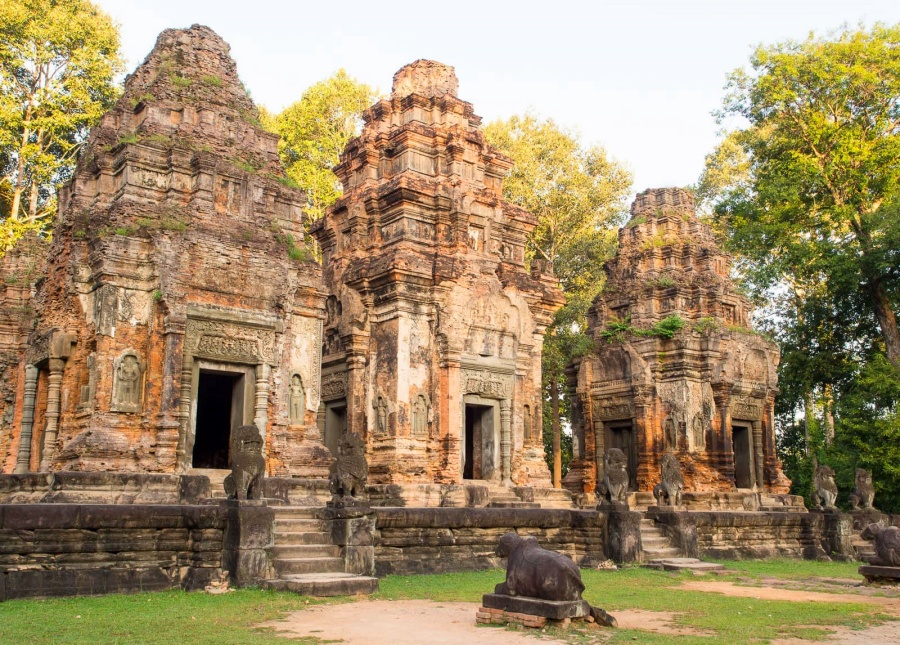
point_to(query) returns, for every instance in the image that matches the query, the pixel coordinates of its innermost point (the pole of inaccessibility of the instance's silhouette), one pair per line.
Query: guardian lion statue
(248, 466)
(863, 493)
(887, 544)
(614, 486)
(668, 491)
(350, 471)
(825, 492)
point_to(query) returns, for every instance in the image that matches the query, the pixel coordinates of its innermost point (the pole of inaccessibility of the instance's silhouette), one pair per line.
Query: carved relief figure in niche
(699, 432)
(380, 406)
(298, 399)
(669, 434)
(420, 416)
(526, 417)
(128, 382)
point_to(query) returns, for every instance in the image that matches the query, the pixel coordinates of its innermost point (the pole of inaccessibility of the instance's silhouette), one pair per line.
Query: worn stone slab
(552, 609)
(683, 564)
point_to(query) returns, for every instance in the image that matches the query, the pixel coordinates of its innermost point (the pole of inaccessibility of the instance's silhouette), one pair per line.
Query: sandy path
(399, 622)
(794, 595)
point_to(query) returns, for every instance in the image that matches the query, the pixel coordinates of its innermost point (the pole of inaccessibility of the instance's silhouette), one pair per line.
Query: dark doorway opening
(216, 416)
(743, 457)
(478, 462)
(622, 437)
(335, 423)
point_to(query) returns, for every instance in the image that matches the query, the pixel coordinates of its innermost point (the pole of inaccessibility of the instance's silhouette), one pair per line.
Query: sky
(639, 78)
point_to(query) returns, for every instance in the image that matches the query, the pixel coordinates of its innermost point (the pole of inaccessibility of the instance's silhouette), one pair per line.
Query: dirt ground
(423, 622)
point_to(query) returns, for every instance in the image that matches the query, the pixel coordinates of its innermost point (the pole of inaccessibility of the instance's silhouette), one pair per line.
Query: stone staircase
(503, 497)
(655, 543)
(862, 548)
(306, 561)
(779, 503)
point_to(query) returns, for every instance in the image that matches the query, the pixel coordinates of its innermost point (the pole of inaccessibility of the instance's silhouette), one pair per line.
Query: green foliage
(157, 295)
(578, 195)
(295, 251)
(706, 325)
(211, 80)
(314, 132)
(128, 137)
(618, 330)
(180, 81)
(662, 282)
(58, 60)
(13, 230)
(141, 98)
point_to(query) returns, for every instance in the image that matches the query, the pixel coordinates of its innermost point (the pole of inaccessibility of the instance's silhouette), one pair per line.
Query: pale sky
(640, 78)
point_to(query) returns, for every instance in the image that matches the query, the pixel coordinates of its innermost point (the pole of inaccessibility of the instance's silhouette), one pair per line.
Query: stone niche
(434, 329)
(707, 394)
(174, 310)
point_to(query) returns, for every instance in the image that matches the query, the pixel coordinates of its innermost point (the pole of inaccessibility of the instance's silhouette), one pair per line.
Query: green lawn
(196, 618)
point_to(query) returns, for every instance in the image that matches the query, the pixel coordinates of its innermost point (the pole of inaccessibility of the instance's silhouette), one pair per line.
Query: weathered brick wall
(76, 549)
(436, 540)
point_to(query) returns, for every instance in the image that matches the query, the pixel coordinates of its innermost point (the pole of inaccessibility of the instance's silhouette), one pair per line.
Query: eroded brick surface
(177, 251)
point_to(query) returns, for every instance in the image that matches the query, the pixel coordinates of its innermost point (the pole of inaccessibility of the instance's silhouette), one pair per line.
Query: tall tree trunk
(808, 420)
(19, 185)
(886, 318)
(828, 413)
(557, 449)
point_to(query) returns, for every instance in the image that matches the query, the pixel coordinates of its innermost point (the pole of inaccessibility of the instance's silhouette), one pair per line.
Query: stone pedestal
(837, 532)
(553, 609)
(352, 528)
(249, 533)
(623, 535)
(880, 575)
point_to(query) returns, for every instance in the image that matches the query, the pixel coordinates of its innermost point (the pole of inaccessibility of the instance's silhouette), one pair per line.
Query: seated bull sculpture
(536, 572)
(887, 544)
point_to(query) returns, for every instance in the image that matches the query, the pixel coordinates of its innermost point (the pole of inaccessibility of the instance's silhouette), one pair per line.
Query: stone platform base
(880, 575)
(500, 609)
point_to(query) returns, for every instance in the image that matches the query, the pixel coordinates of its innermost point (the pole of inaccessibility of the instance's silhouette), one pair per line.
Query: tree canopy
(314, 132)
(579, 197)
(808, 195)
(58, 62)
(823, 201)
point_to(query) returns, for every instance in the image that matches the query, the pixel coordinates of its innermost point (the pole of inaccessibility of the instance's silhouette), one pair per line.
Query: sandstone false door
(479, 454)
(335, 423)
(219, 411)
(743, 456)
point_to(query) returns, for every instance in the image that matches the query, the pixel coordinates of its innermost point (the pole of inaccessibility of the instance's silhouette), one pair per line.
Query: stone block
(623, 537)
(553, 609)
(880, 575)
(359, 560)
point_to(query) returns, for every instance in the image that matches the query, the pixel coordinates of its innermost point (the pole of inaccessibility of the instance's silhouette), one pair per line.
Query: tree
(578, 195)
(58, 61)
(823, 201)
(314, 132)
(807, 195)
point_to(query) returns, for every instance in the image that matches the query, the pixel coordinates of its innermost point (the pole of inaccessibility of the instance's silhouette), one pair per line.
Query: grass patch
(180, 81)
(176, 617)
(165, 618)
(211, 80)
(666, 328)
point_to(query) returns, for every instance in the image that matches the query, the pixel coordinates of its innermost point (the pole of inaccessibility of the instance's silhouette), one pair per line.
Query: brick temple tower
(434, 331)
(179, 302)
(706, 394)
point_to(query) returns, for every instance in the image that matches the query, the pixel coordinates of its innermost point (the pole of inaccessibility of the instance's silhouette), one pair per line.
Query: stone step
(659, 554)
(782, 509)
(293, 566)
(292, 525)
(324, 584)
(651, 542)
(297, 512)
(294, 551)
(648, 523)
(516, 504)
(310, 537)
